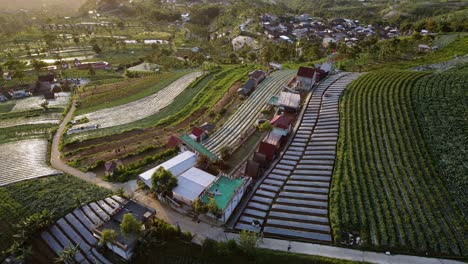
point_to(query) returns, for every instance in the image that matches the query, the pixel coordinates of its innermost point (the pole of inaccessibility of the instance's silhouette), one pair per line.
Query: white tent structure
(177, 165)
(191, 184)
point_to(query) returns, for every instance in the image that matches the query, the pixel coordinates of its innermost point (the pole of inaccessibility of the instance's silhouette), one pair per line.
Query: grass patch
(244, 150)
(30, 113)
(58, 194)
(25, 132)
(6, 107)
(122, 93)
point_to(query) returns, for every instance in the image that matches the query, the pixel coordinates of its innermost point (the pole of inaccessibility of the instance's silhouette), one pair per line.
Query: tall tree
(163, 182)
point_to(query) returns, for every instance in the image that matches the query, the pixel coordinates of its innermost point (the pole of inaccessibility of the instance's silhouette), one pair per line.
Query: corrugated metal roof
(176, 166)
(198, 147)
(192, 183)
(291, 100)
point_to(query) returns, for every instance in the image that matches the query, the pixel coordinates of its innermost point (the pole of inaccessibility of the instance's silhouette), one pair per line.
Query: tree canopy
(163, 182)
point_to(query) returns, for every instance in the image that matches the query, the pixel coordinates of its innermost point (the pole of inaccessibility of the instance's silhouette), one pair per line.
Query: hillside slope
(440, 105)
(386, 186)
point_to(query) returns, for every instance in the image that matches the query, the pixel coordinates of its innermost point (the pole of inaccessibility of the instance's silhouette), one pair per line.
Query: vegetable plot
(245, 117)
(23, 160)
(385, 185)
(139, 109)
(441, 109)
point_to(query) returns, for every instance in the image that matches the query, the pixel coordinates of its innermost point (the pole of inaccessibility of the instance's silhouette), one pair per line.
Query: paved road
(345, 253)
(58, 163)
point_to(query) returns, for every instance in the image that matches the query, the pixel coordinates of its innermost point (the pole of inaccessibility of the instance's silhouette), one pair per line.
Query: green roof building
(227, 194)
(196, 147)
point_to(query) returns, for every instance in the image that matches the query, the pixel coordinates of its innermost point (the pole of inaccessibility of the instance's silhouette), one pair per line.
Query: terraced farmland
(250, 110)
(76, 228)
(291, 201)
(34, 102)
(139, 109)
(23, 160)
(385, 183)
(46, 118)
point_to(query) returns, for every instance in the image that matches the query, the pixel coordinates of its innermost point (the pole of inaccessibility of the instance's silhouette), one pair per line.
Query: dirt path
(57, 163)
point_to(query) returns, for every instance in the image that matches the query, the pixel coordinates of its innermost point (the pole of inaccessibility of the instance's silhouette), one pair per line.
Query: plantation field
(23, 160)
(57, 194)
(386, 185)
(248, 113)
(194, 105)
(204, 93)
(96, 97)
(34, 102)
(136, 110)
(46, 118)
(23, 132)
(440, 105)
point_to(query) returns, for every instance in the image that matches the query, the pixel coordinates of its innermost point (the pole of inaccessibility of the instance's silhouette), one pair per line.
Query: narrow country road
(57, 162)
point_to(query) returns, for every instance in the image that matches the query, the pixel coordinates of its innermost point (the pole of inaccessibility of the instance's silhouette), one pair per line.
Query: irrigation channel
(291, 200)
(76, 228)
(248, 113)
(127, 113)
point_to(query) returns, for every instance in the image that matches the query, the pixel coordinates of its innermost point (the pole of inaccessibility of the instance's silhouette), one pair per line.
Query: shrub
(129, 225)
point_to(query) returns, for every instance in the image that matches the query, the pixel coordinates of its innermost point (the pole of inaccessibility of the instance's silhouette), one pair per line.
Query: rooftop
(198, 147)
(223, 190)
(176, 166)
(192, 183)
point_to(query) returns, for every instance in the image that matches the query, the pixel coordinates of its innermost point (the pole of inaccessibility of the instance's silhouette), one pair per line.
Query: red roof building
(268, 150)
(306, 72)
(306, 78)
(281, 121)
(198, 133)
(173, 142)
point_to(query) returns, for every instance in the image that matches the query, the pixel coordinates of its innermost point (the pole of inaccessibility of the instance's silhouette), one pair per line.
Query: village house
(227, 194)
(177, 165)
(258, 76)
(19, 94)
(188, 143)
(198, 134)
(191, 181)
(111, 166)
(271, 145)
(282, 124)
(305, 78)
(289, 102)
(191, 184)
(124, 245)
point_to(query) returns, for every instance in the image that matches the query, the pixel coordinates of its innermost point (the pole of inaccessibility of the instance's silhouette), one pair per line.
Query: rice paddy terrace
(387, 186)
(291, 201)
(139, 109)
(23, 160)
(76, 229)
(250, 110)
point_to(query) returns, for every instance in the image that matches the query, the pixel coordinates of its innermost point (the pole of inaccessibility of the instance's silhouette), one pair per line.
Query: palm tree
(68, 255)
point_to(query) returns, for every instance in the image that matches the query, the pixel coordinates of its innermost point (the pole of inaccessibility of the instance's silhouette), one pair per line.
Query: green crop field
(440, 104)
(57, 194)
(203, 93)
(386, 185)
(114, 94)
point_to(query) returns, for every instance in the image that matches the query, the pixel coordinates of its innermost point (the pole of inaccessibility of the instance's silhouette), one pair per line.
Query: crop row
(385, 186)
(440, 106)
(139, 109)
(245, 117)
